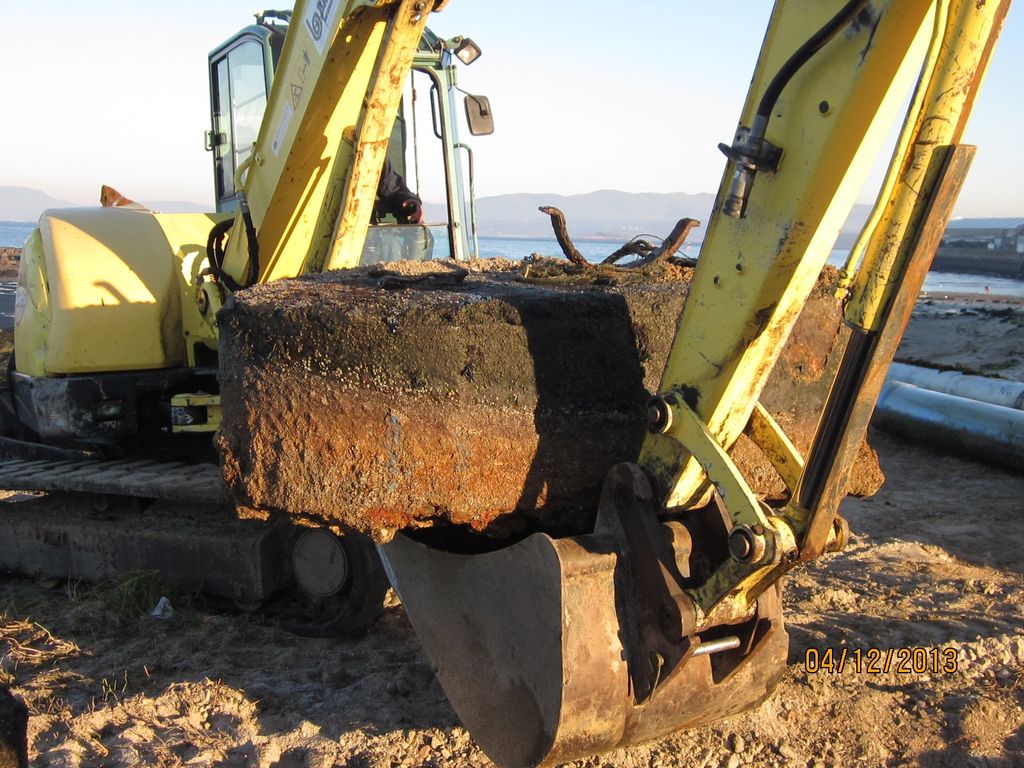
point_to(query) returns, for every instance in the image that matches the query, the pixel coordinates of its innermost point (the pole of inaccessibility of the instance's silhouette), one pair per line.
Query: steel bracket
(649, 584)
(693, 434)
(776, 446)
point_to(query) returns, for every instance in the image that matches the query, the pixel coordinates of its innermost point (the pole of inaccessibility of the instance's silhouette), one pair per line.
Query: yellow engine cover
(105, 289)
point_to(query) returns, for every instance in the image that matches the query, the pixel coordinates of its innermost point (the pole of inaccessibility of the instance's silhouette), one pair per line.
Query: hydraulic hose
(753, 153)
(764, 109)
(215, 250)
(215, 253)
(251, 241)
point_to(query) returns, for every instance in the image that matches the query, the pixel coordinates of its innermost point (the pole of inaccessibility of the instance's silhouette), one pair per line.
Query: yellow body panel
(33, 314)
(103, 289)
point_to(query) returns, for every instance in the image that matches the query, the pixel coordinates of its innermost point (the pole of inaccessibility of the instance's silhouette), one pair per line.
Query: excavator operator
(395, 198)
(393, 195)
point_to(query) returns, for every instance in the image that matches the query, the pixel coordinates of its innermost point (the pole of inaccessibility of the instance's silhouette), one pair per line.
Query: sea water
(14, 233)
(936, 283)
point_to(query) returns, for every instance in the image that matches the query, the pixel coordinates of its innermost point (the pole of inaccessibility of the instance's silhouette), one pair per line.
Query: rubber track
(171, 480)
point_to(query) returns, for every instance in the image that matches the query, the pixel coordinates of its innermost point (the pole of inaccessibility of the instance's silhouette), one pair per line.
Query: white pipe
(1009, 394)
(971, 428)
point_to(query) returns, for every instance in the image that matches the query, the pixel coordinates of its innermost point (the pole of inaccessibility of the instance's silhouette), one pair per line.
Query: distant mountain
(606, 214)
(25, 204)
(176, 206)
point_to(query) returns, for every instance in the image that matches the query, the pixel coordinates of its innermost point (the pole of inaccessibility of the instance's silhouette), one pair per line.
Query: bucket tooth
(530, 650)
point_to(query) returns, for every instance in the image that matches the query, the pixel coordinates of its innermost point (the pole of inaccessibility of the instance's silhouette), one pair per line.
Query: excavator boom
(309, 192)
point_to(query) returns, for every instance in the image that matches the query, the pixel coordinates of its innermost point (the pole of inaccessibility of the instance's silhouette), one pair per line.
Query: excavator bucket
(534, 646)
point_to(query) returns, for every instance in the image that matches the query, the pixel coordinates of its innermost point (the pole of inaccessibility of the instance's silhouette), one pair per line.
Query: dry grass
(131, 595)
(26, 642)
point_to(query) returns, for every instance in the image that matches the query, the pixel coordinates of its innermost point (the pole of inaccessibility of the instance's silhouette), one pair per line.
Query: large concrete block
(489, 404)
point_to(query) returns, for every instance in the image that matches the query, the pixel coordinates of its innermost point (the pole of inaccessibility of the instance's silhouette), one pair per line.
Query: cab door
(240, 76)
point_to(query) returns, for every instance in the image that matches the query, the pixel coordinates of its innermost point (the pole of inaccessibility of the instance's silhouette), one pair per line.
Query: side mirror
(479, 115)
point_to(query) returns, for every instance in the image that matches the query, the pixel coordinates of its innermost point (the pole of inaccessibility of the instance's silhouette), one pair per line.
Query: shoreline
(969, 298)
(10, 257)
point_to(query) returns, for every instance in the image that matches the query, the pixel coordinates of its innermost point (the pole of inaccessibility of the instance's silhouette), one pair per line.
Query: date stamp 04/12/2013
(907, 660)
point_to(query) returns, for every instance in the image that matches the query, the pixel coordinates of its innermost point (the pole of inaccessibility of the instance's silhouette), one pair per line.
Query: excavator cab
(241, 70)
(424, 150)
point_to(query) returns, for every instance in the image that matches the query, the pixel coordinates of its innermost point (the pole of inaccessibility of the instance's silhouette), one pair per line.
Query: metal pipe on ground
(983, 431)
(1009, 394)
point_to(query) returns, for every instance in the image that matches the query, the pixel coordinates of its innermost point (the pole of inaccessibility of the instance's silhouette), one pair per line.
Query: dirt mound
(10, 259)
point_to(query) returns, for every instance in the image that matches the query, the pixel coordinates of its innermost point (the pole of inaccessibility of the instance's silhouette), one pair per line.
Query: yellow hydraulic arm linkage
(668, 615)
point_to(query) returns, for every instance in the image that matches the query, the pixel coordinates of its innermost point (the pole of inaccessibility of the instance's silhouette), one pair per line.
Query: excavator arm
(762, 259)
(308, 191)
(667, 614)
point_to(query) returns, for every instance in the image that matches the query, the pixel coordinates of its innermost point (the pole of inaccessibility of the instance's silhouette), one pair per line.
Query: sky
(586, 96)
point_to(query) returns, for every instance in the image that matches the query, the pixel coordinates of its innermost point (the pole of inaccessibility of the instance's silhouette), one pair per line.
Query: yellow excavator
(666, 612)
(112, 394)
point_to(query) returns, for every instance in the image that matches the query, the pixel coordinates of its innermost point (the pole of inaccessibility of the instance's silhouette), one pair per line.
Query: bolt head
(746, 546)
(659, 415)
(740, 545)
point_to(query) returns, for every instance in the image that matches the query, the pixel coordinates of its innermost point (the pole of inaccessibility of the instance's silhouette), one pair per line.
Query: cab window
(239, 99)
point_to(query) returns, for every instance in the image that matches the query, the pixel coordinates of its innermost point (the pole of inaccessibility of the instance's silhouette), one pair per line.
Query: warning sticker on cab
(282, 128)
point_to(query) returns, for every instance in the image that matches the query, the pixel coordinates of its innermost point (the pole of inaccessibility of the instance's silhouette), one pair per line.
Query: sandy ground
(935, 563)
(971, 334)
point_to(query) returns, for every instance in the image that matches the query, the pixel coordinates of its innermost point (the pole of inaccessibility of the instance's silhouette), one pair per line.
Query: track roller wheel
(340, 584)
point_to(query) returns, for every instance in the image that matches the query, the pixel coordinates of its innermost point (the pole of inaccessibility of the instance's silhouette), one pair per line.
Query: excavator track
(97, 519)
(165, 480)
